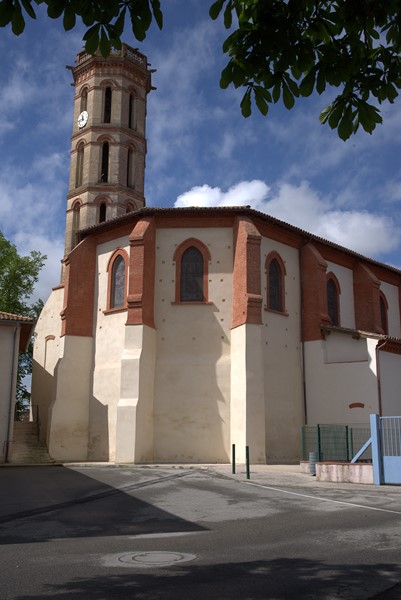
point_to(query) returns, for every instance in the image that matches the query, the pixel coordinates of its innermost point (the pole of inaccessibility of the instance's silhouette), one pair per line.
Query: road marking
(274, 489)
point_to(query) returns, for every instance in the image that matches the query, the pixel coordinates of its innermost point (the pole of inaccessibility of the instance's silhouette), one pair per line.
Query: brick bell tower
(108, 144)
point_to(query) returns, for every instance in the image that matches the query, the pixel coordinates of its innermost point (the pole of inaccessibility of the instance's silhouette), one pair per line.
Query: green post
(319, 446)
(351, 435)
(347, 441)
(233, 459)
(303, 444)
(248, 473)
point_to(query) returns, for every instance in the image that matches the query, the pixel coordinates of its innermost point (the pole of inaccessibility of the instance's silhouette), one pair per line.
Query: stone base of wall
(344, 472)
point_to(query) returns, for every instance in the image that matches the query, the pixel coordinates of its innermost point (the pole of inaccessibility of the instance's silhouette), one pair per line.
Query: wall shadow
(63, 503)
(279, 579)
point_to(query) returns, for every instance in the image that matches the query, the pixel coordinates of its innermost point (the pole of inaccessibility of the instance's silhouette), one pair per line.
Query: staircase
(26, 447)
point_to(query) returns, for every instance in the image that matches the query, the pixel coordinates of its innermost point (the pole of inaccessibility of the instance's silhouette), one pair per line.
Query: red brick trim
(203, 249)
(118, 252)
(141, 280)
(247, 297)
(273, 255)
(79, 290)
(356, 405)
(314, 293)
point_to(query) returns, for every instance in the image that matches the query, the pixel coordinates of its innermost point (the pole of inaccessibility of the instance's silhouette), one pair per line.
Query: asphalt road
(189, 533)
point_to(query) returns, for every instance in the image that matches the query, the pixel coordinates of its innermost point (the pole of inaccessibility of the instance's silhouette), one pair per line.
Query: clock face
(82, 119)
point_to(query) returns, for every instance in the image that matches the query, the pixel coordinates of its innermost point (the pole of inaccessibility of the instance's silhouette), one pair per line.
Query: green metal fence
(335, 442)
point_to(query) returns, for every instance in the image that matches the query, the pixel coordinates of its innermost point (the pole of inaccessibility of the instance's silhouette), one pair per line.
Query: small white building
(15, 335)
(176, 333)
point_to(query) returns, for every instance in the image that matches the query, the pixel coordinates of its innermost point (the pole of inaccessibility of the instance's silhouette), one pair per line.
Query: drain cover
(154, 559)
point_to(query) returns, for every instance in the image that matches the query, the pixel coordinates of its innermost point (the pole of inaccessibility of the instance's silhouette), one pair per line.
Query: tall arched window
(132, 112)
(191, 259)
(117, 283)
(384, 313)
(131, 168)
(333, 301)
(104, 174)
(117, 280)
(75, 223)
(275, 270)
(80, 165)
(107, 105)
(102, 212)
(84, 99)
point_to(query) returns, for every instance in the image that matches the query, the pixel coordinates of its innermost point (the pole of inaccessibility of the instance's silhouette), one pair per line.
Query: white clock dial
(82, 119)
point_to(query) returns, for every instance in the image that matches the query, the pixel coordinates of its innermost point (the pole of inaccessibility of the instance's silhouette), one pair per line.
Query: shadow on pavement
(63, 503)
(279, 579)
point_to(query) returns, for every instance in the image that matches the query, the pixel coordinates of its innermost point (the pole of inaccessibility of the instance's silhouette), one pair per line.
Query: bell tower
(108, 144)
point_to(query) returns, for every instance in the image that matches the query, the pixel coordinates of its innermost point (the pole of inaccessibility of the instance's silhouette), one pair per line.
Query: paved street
(104, 532)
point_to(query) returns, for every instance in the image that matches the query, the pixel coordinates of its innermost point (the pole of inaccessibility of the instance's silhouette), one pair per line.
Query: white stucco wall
(192, 388)
(109, 332)
(282, 358)
(345, 279)
(393, 314)
(48, 349)
(9, 343)
(331, 386)
(390, 383)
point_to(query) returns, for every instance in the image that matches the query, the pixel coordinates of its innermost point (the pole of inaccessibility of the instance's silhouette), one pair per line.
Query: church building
(177, 332)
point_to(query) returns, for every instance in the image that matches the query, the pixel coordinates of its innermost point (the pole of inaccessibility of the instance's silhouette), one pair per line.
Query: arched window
(333, 302)
(129, 208)
(104, 174)
(191, 259)
(75, 223)
(132, 112)
(107, 105)
(102, 212)
(84, 100)
(117, 286)
(131, 168)
(80, 165)
(275, 270)
(384, 313)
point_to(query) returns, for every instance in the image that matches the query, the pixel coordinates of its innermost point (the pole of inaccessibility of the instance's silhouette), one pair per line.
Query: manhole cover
(155, 559)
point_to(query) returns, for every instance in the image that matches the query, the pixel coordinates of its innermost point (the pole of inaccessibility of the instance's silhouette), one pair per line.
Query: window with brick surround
(192, 258)
(104, 174)
(117, 280)
(333, 299)
(275, 273)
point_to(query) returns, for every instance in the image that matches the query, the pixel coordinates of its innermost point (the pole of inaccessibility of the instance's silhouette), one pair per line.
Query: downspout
(14, 369)
(379, 346)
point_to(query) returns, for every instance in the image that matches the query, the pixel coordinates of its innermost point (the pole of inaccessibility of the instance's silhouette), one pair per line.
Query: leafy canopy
(278, 50)
(18, 276)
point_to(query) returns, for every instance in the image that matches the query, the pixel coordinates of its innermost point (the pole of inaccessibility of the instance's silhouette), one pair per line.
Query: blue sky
(201, 151)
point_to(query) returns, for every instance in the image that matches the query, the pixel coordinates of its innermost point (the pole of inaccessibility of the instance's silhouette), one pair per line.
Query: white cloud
(300, 205)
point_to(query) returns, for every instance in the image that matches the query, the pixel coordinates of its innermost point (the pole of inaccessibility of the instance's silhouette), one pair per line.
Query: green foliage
(277, 49)
(18, 276)
(291, 48)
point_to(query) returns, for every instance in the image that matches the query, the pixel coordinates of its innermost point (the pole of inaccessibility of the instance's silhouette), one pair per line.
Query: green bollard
(233, 459)
(248, 473)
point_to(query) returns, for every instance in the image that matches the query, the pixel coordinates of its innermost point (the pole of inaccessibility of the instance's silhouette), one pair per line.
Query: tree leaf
(104, 44)
(215, 9)
(288, 98)
(246, 107)
(28, 8)
(17, 21)
(6, 12)
(55, 8)
(69, 18)
(345, 126)
(260, 101)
